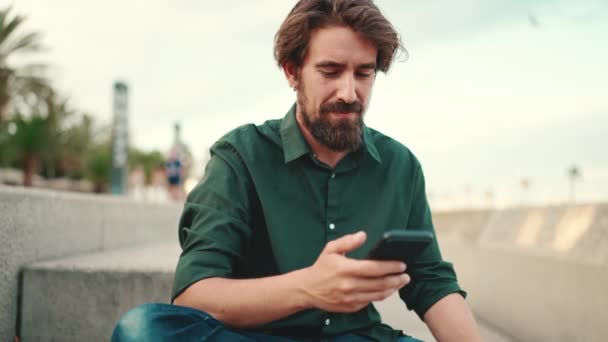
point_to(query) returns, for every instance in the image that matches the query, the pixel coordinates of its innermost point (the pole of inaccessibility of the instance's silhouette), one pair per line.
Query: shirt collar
(368, 141)
(294, 144)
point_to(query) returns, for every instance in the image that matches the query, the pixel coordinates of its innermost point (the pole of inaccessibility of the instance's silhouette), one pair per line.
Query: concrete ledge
(40, 224)
(462, 225)
(533, 298)
(539, 274)
(577, 233)
(81, 298)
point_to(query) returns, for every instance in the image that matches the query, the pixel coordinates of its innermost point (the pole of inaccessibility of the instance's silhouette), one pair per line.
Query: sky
(492, 91)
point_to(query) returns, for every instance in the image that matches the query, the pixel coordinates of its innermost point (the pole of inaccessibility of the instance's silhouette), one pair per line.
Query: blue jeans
(155, 322)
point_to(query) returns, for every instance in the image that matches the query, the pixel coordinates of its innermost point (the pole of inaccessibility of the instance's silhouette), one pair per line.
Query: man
(275, 236)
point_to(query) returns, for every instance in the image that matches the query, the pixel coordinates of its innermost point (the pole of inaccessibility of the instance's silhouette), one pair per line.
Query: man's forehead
(340, 45)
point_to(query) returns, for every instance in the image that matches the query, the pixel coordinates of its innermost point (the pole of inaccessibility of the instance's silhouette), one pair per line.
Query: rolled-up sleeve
(432, 277)
(215, 224)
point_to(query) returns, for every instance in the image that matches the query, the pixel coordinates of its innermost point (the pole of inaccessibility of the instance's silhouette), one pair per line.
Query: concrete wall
(533, 298)
(81, 305)
(538, 274)
(93, 291)
(39, 225)
(577, 233)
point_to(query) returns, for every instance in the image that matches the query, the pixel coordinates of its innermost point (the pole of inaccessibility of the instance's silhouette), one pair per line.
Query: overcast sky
(494, 91)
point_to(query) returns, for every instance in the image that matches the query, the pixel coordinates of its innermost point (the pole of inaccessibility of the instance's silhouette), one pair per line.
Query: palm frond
(23, 84)
(9, 26)
(30, 42)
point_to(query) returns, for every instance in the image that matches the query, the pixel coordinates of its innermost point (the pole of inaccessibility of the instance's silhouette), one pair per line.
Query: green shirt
(267, 206)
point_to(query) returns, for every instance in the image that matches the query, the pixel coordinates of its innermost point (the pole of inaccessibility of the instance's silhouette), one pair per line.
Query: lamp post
(574, 174)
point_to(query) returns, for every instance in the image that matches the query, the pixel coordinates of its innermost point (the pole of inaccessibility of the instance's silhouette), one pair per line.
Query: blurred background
(503, 102)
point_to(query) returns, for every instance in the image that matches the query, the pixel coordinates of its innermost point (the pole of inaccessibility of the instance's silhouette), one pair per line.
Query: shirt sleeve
(215, 223)
(432, 278)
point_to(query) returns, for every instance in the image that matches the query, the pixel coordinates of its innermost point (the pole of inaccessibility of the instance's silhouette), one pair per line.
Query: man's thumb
(346, 243)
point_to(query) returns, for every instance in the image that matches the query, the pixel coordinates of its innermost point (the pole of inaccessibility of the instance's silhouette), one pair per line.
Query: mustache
(342, 107)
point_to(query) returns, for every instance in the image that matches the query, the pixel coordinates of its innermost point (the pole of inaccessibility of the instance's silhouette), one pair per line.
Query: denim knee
(136, 324)
(165, 322)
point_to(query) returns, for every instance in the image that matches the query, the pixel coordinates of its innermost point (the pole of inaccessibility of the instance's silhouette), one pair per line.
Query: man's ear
(291, 74)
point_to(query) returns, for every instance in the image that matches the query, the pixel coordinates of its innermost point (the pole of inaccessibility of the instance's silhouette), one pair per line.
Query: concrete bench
(37, 225)
(80, 297)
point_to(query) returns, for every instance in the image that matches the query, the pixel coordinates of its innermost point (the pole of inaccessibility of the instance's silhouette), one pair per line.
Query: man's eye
(364, 74)
(330, 73)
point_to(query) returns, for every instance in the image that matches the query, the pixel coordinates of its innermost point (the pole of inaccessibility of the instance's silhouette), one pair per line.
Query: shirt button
(333, 175)
(327, 321)
(332, 226)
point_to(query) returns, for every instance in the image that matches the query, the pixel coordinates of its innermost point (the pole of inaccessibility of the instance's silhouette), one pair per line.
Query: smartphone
(401, 245)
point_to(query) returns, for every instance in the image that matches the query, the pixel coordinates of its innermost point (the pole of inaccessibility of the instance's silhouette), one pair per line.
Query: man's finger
(381, 284)
(346, 243)
(375, 268)
(358, 300)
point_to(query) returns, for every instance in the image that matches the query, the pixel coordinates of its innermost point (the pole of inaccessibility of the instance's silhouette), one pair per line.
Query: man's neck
(322, 152)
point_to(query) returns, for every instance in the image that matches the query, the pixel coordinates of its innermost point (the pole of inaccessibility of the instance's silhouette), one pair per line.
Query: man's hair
(362, 16)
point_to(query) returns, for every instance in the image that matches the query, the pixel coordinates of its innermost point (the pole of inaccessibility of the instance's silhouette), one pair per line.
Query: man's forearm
(450, 320)
(335, 283)
(245, 303)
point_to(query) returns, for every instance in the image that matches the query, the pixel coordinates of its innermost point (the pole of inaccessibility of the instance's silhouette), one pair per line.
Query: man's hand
(336, 283)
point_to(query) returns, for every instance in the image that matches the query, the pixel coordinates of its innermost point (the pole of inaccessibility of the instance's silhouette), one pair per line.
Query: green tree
(98, 165)
(74, 143)
(28, 144)
(51, 137)
(4, 138)
(60, 120)
(149, 161)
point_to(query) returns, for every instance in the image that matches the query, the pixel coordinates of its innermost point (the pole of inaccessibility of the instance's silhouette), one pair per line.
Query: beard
(341, 135)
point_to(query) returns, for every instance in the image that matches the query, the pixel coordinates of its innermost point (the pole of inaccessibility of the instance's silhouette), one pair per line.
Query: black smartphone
(402, 245)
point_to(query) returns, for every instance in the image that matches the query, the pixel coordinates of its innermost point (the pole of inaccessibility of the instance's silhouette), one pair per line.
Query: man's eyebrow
(367, 66)
(329, 64)
(332, 64)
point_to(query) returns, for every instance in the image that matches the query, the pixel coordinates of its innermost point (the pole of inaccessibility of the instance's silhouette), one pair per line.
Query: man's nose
(346, 90)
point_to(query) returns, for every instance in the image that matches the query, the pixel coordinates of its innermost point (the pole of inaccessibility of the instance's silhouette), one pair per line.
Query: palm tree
(41, 131)
(29, 143)
(74, 143)
(68, 138)
(17, 81)
(98, 166)
(41, 136)
(149, 161)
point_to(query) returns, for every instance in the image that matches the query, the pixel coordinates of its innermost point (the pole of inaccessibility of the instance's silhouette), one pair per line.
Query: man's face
(334, 86)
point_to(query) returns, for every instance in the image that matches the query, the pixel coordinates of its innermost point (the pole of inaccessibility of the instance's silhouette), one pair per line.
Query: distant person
(274, 235)
(177, 166)
(174, 169)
